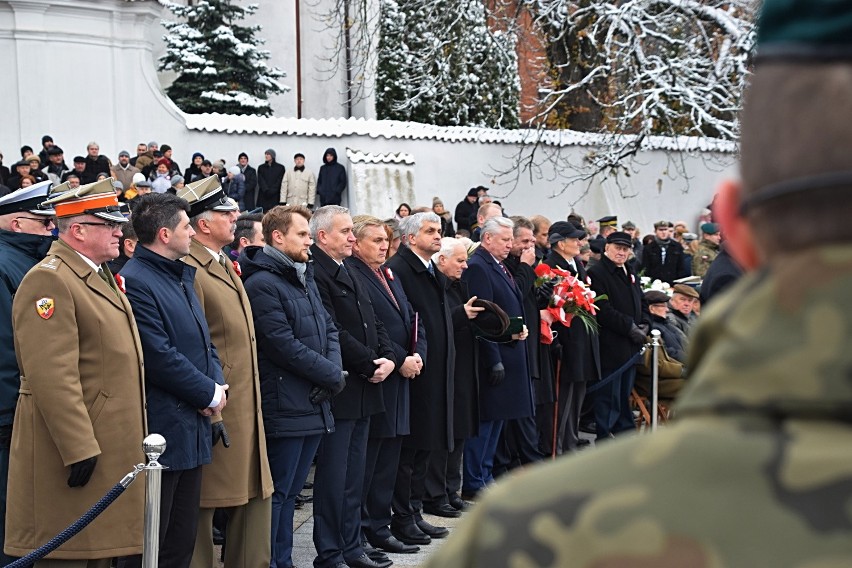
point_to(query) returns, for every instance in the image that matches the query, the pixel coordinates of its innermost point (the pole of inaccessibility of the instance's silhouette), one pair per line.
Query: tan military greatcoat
(82, 395)
(240, 472)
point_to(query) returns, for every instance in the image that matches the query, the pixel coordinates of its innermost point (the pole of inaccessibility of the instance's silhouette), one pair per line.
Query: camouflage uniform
(756, 471)
(704, 257)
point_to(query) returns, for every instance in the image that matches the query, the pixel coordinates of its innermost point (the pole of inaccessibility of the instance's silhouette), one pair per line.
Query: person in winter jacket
(299, 361)
(269, 176)
(299, 185)
(250, 175)
(235, 186)
(332, 180)
(193, 172)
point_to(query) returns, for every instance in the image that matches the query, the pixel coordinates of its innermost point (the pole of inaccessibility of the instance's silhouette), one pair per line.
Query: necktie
(106, 279)
(508, 274)
(222, 261)
(384, 282)
(431, 269)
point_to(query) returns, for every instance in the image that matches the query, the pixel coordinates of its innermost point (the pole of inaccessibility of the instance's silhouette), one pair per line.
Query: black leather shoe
(410, 534)
(376, 556)
(469, 496)
(365, 561)
(458, 503)
(392, 544)
(442, 510)
(431, 530)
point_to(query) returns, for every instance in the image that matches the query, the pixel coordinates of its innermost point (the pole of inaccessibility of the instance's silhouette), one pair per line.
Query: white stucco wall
(100, 83)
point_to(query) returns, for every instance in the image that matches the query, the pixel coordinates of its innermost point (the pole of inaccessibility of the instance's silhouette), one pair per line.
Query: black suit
(339, 479)
(388, 428)
(618, 313)
(579, 362)
(432, 391)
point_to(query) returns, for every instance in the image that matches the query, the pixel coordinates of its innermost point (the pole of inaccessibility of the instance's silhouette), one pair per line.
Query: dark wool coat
(513, 398)
(618, 312)
(362, 336)
(581, 360)
(432, 390)
(181, 363)
(674, 266)
(398, 320)
(466, 376)
(297, 346)
(269, 178)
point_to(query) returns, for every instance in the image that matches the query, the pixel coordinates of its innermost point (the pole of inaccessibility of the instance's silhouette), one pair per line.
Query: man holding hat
(755, 471)
(79, 421)
(299, 184)
(619, 337)
(238, 480)
(708, 249)
(183, 373)
(25, 237)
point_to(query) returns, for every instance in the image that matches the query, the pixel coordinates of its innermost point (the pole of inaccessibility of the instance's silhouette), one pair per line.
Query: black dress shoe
(308, 485)
(442, 510)
(218, 537)
(375, 555)
(410, 534)
(431, 530)
(365, 561)
(392, 544)
(458, 503)
(469, 496)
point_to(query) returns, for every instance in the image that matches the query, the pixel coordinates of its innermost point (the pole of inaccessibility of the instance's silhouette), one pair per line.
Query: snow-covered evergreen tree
(219, 64)
(439, 63)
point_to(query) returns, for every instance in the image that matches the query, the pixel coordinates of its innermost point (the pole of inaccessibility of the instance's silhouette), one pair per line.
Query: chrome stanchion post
(153, 445)
(655, 376)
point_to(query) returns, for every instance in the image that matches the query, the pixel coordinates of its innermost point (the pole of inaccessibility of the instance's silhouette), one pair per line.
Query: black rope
(630, 362)
(72, 529)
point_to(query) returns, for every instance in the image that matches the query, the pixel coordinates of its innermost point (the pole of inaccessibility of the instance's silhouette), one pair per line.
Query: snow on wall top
(391, 129)
(357, 156)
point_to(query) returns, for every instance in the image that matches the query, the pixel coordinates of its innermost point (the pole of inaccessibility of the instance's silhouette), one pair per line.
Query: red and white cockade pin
(237, 268)
(632, 279)
(119, 280)
(388, 273)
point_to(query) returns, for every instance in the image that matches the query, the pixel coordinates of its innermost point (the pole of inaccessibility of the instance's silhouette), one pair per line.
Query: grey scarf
(277, 255)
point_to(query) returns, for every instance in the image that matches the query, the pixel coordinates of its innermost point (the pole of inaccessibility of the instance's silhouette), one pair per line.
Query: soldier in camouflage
(757, 468)
(708, 249)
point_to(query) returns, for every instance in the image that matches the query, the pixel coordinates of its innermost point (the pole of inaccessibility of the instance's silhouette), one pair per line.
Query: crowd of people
(258, 326)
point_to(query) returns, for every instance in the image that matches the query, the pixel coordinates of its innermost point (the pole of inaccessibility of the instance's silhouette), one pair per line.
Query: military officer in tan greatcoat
(80, 418)
(238, 480)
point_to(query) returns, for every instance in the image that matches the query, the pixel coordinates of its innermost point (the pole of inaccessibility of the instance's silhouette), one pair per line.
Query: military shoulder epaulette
(53, 263)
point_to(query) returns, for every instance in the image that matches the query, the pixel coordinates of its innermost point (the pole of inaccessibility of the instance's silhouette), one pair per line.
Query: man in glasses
(25, 236)
(79, 417)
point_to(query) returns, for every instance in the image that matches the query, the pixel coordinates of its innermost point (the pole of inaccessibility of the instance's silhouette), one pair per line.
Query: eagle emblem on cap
(44, 307)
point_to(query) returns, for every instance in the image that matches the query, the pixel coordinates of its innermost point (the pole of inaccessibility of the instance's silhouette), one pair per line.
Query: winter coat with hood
(269, 176)
(332, 180)
(297, 345)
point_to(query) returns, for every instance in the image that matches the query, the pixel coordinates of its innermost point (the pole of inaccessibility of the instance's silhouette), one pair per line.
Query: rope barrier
(80, 523)
(630, 362)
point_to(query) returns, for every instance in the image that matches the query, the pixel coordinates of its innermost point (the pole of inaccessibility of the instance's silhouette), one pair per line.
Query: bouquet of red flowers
(571, 298)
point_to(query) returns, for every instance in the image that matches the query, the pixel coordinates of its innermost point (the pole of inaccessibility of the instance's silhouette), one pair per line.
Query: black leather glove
(543, 294)
(319, 394)
(636, 335)
(220, 433)
(6, 436)
(81, 472)
(498, 373)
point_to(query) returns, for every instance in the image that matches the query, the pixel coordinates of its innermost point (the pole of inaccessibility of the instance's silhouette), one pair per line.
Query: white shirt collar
(216, 254)
(88, 261)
